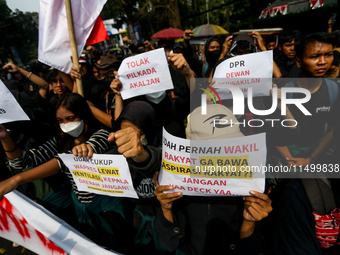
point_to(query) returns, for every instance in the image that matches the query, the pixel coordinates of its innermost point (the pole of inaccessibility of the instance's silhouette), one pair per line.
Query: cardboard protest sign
(145, 73)
(25, 222)
(107, 175)
(226, 167)
(10, 110)
(253, 70)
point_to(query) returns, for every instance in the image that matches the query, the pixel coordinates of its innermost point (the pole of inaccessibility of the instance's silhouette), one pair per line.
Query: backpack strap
(204, 68)
(290, 84)
(333, 90)
(320, 195)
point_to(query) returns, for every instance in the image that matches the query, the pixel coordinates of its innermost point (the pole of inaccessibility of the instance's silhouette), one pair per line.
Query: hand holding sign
(116, 84)
(256, 207)
(3, 132)
(165, 199)
(83, 150)
(129, 144)
(8, 185)
(178, 62)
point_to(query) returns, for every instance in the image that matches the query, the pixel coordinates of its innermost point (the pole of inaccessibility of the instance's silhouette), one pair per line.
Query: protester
(284, 57)
(214, 50)
(293, 218)
(210, 225)
(270, 42)
(76, 126)
(30, 82)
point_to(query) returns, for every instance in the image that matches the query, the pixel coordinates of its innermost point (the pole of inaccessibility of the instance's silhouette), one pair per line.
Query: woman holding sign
(77, 132)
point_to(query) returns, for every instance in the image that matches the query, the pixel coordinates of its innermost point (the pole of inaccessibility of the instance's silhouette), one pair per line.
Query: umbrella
(209, 30)
(168, 33)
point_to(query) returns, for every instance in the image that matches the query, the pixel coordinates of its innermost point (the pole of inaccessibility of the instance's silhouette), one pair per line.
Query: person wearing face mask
(214, 49)
(77, 132)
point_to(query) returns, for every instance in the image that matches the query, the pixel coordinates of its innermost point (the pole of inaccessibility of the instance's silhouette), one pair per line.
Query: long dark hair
(76, 104)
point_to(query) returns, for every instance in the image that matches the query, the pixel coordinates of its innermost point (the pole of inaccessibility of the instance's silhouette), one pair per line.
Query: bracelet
(16, 146)
(29, 75)
(313, 158)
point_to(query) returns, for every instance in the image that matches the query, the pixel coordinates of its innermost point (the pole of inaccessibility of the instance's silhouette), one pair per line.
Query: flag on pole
(54, 43)
(98, 33)
(32, 226)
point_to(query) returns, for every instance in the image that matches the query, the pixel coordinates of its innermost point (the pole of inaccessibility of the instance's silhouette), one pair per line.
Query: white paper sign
(253, 70)
(223, 167)
(10, 110)
(107, 175)
(145, 73)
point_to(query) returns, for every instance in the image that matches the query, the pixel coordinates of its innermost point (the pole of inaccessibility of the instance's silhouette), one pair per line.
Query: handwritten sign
(253, 70)
(226, 167)
(10, 110)
(145, 73)
(102, 174)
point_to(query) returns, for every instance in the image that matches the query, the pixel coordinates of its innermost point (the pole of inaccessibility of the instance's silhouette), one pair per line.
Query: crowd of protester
(285, 219)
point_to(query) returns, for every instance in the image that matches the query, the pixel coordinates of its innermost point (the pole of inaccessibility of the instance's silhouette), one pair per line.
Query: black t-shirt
(311, 128)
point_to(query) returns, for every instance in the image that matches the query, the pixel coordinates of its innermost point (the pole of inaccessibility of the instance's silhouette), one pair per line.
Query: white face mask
(73, 129)
(156, 97)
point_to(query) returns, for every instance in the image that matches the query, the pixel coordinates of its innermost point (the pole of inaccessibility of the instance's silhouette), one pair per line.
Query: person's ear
(280, 47)
(298, 62)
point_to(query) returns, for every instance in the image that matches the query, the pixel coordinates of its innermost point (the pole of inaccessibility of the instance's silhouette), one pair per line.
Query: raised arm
(11, 149)
(116, 87)
(32, 77)
(68, 81)
(45, 170)
(178, 62)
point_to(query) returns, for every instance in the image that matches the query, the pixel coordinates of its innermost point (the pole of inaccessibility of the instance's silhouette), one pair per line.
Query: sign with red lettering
(144, 74)
(227, 167)
(107, 175)
(25, 222)
(251, 71)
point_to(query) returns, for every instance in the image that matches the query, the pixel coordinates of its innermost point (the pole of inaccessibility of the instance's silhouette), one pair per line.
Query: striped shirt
(51, 148)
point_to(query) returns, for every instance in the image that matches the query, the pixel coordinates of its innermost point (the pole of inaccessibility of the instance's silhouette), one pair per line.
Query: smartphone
(333, 17)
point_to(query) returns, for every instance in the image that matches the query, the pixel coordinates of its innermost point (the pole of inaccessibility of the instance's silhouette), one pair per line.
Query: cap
(107, 61)
(217, 123)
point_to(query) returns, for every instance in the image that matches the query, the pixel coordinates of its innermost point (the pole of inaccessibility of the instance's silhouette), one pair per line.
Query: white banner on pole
(54, 42)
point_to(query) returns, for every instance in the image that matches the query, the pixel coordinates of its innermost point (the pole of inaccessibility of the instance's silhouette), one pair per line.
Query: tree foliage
(155, 15)
(19, 30)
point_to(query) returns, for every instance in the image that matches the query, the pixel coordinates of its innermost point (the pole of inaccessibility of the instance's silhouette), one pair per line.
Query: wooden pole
(73, 43)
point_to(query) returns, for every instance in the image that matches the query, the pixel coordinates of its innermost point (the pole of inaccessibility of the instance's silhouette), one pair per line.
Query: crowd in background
(283, 220)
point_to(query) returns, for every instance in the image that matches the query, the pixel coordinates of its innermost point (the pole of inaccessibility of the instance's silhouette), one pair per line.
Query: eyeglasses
(109, 73)
(55, 81)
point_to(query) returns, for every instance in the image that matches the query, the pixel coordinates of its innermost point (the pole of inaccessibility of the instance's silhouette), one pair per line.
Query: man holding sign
(200, 225)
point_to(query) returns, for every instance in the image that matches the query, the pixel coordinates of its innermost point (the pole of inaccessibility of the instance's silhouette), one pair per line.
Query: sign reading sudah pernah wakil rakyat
(144, 74)
(221, 167)
(102, 174)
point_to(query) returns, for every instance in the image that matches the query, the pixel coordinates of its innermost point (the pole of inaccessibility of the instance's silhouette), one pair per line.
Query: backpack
(333, 90)
(326, 215)
(320, 194)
